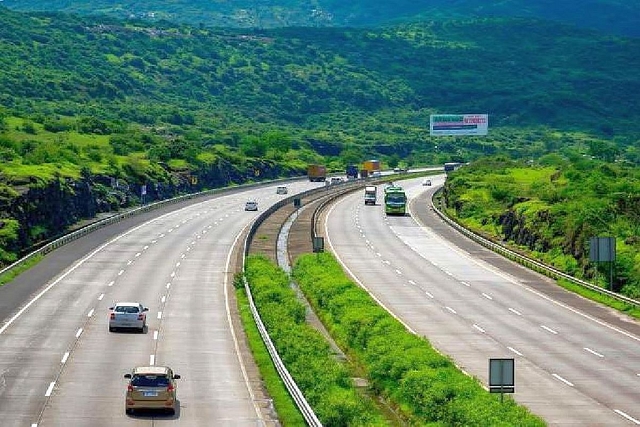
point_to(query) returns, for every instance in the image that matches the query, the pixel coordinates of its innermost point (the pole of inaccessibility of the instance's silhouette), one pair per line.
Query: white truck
(370, 194)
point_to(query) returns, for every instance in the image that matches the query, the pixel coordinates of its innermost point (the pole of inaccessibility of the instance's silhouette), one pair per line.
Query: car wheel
(111, 329)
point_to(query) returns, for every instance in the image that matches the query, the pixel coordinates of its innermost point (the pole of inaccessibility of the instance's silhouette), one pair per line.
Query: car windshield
(126, 309)
(150, 380)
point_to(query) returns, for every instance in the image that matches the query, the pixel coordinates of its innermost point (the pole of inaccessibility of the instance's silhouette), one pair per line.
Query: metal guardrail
(297, 395)
(531, 263)
(124, 215)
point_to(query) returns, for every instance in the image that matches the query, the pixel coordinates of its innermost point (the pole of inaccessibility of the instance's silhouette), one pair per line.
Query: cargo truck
(370, 195)
(317, 173)
(352, 172)
(371, 166)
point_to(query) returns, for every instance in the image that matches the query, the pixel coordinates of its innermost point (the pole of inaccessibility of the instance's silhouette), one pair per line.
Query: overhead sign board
(458, 124)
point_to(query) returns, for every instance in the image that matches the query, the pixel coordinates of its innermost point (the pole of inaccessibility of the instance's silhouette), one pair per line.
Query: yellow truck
(317, 173)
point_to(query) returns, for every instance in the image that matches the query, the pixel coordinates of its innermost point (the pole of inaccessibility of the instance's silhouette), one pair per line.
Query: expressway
(59, 364)
(572, 368)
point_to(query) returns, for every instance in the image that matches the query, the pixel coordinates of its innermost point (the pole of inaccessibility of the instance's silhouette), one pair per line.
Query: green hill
(99, 108)
(607, 16)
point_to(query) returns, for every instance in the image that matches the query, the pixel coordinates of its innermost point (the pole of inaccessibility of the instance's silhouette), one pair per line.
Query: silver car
(129, 315)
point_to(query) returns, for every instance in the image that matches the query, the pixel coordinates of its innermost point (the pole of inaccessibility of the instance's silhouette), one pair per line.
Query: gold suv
(151, 387)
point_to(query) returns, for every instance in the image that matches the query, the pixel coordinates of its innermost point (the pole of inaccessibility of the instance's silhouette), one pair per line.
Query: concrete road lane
(570, 368)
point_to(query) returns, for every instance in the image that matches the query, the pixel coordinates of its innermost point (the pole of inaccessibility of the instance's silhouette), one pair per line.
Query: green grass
(14, 272)
(285, 407)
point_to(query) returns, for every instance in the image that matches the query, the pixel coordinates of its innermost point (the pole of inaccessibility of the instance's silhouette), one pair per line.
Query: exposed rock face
(46, 210)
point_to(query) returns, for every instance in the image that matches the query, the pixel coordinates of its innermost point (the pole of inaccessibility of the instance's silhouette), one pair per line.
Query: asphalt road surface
(59, 364)
(572, 367)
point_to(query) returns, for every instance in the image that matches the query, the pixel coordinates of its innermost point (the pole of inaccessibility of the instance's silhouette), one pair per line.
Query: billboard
(459, 124)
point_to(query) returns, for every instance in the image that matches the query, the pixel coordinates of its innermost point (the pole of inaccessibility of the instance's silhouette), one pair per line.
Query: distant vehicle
(336, 180)
(151, 387)
(371, 166)
(251, 205)
(426, 182)
(352, 172)
(395, 201)
(397, 170)
(370, 195)
(281, 189)
(128, 315)
(317, 173)
(451, 166)
(375, 174)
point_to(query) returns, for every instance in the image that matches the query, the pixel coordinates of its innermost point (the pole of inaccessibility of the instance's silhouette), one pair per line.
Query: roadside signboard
(458, 124)
(501, 376)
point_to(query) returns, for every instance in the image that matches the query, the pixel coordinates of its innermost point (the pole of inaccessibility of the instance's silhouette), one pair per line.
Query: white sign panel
(459, 124)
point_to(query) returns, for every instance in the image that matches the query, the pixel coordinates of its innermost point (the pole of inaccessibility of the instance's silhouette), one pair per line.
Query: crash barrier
(293, 389)
(531, 263)
(69, 237)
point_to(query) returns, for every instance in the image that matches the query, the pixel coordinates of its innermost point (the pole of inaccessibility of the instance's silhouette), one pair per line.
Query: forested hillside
(607, 16)
(552, 208)
(94, 109)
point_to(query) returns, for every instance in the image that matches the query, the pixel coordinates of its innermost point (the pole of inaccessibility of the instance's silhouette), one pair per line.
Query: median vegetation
(322, 378)
(424, 386)
(402, 368)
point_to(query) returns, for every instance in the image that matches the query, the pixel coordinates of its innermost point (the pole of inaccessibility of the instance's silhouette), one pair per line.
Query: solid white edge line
(225, 286)
(563, 380)
(511, 279)
(49, 389)
(629, 417)
(362, 286)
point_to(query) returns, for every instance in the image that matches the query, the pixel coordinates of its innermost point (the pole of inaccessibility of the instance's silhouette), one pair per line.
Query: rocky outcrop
(46, 209)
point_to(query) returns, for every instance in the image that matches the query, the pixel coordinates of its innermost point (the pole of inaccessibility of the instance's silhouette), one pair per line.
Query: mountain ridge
(606, 16)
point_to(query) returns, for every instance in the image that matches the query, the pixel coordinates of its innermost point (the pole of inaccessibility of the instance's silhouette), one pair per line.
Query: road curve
(59, 364)
(572, 368)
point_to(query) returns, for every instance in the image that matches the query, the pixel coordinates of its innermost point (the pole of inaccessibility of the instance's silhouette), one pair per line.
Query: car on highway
(426, 182)
(128, 315)
(336, 180)
(151, 387)
(251, 205)
(281, 189)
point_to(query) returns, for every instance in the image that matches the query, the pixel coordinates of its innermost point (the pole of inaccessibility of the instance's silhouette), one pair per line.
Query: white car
(336, 180)
(251, 205)
(128, 315)
(281, 190)
(426, 182)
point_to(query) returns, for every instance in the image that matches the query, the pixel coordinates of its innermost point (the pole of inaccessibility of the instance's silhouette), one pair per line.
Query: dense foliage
(609, 16)
(324, 381)
(552, 208)
(402, 367)
(124, 105)
(335, 91)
